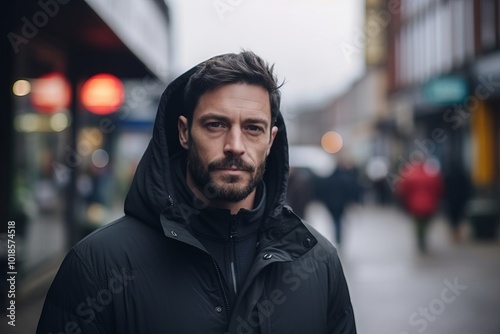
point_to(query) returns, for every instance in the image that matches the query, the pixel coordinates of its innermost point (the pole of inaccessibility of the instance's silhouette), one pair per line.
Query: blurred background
(393, 116)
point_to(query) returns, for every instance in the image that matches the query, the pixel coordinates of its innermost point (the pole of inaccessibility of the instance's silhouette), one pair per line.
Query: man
(337, 191)
(206, 244)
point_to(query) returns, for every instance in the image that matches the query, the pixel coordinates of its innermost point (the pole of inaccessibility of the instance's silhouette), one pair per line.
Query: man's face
(230, 137)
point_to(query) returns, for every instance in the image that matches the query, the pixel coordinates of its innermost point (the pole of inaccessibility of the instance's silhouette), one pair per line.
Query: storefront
(485, 131)
(59, 170)
(486, 127)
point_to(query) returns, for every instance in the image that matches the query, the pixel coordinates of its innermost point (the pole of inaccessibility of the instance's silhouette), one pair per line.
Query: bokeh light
(59, 122)
(100, 158)
(377, 168)
(51, 93)
(21, 87)
(102, 94)
(332, 142)
(26, 123)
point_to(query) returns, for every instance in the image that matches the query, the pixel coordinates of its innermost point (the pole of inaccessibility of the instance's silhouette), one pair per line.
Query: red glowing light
(102, 94)
(51, 93)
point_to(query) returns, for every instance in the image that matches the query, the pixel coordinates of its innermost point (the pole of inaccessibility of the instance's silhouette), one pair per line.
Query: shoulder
(324, 253)
(321, 239)
(123, 243)
(322, 249)
(123, 232)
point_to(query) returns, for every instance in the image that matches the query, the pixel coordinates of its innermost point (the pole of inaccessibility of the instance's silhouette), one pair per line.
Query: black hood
(153, 190)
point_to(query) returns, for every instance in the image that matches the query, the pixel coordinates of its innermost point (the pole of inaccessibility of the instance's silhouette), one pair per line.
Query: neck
(247, 203)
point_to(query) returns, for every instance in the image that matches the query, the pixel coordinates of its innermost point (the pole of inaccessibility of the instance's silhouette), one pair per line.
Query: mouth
(231, 168)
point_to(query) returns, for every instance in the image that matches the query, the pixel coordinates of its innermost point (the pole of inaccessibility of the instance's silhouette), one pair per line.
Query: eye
(214, 125)
(255, 128)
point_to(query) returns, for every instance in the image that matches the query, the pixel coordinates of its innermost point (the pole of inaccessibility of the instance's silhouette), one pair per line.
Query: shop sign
(445, 90)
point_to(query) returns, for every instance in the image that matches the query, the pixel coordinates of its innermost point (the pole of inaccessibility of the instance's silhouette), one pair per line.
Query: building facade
(57, 152)
(443, 78)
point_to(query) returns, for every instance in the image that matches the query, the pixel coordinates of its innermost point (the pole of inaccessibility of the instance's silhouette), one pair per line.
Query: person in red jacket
(420, 188)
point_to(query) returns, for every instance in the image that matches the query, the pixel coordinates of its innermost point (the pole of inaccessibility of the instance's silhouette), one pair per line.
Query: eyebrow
(261, 121)
(226, 119)
(211, 116)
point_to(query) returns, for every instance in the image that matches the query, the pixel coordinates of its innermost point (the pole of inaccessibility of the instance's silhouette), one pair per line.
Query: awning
(128, 38)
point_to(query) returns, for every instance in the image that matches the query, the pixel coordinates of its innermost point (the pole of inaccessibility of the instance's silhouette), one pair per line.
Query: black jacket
(146, 273)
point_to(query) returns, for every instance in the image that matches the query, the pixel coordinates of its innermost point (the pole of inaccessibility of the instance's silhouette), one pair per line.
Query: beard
(229, 189)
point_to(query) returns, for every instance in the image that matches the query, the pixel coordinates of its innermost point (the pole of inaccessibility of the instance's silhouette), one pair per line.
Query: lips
(232, 168)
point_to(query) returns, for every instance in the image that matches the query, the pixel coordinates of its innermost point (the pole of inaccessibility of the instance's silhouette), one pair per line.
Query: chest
(179, 295)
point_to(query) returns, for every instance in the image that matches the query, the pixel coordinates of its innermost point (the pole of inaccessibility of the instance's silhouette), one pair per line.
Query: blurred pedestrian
(377, 170)
(207, 244)
(337, 191)
(457, 191)
(420, 187)
(300, 190)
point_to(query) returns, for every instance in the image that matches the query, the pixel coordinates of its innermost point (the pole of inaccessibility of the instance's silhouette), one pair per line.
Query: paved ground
(454, 289)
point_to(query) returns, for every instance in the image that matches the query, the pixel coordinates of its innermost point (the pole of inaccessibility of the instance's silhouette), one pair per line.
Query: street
(453, 289)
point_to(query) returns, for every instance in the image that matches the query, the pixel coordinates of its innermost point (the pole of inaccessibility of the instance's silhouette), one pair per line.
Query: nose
(234, 142)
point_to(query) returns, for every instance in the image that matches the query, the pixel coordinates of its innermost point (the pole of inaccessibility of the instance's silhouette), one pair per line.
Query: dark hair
(245, 67)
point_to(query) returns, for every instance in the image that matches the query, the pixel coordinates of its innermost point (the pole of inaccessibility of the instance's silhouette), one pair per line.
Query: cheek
(205, 149)
(261, 154)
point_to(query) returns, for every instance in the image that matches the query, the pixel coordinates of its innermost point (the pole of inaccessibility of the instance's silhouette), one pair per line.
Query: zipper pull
(234, 230)
(232, 235)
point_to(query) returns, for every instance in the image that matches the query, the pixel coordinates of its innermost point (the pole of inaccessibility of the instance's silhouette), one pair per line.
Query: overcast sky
(302, 37)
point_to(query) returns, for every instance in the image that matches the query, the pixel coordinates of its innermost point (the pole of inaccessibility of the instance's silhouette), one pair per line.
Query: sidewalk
(40, 254)
(453, 289)
(29, 300)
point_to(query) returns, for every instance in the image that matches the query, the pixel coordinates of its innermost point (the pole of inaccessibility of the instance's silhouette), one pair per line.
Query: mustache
(229, 162)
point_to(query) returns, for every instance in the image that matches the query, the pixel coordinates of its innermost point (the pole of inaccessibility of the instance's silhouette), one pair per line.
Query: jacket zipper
(221, 285)
(232, 245)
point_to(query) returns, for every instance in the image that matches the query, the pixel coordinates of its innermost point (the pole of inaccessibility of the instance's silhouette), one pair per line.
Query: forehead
(235, 99)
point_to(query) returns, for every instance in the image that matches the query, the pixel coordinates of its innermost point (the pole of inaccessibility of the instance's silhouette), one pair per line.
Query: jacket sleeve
(340, 312)
(73, 303)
